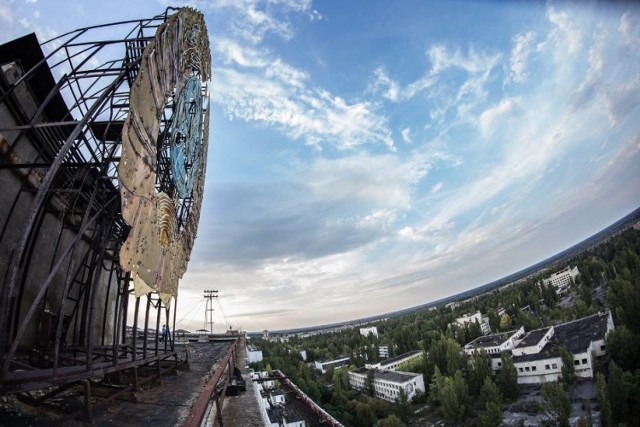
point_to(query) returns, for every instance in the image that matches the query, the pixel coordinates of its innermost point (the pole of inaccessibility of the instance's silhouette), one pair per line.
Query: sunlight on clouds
(489, 116)
(520, 56)
(279, 98)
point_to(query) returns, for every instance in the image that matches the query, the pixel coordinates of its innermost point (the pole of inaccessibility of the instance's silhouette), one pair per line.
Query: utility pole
(208, 310)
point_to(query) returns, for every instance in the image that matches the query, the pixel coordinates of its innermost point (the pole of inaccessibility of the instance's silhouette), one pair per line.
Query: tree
(453, 411)
(403, 407)
(436, 387)
(505, 322)
(479, 370)
(624, 347)
(557, 403)
(618, 397)
(603, 400)
(568, 367)
(363, 415)
(368, 383)
(340, 379)
(507, 378)
(491, 415)
(490, 400)
(390, 421)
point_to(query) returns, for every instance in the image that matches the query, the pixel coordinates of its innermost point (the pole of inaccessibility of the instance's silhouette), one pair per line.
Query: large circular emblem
(163, 161)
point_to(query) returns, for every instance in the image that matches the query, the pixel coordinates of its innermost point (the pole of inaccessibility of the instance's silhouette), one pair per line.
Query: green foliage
(603, 400)
(624, 347)
(403, 407)
(447, 355)
(618, 397)
(368, 383)
(490, 401)
(413, 365)
(453, 397)
(557, 403)
(363, 415)
(568, 367)
(491, 415)
(505, 322)
(390, 421)
(507, 378)
(479, 370)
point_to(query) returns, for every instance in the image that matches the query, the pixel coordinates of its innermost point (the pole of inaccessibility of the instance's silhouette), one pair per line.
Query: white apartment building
(387, 384)
(562, 279)
(373, 330)
(383, 351)
(475, 317)
(536, 354)
(393, 363)
(323, 365)
(254, 354)
(494, 345)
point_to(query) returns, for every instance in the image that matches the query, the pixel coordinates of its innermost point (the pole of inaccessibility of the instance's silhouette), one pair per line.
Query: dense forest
(462, 390)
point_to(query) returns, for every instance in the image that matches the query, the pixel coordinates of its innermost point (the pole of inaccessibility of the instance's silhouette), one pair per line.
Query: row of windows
(551, 366)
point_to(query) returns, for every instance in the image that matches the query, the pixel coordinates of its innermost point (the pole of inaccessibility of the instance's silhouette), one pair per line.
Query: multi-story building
(393, 363)
(383, 351)
(254, 354)
(388, 384)
(536, 354)
(562, 279)
(285, 405)
(369, 331)
(483, 321)
(323, 365)
(494, 345)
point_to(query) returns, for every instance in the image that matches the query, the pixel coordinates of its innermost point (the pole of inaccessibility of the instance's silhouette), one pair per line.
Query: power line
(209, 295)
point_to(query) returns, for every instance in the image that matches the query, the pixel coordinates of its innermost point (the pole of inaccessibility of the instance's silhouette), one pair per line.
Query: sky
(369, 156)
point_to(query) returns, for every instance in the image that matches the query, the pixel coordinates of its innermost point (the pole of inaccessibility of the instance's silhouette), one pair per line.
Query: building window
(520, 369)
(554, 366)
(499, 364)
(546, 367)
(533, 368)
(602, 347)
(576, 362)
(584, 361)
(527, 369)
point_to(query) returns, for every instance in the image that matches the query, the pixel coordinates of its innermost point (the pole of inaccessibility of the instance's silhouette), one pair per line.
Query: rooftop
(492, 340)
(392, 376)
(576, 336)
(398, 358)
(533, 337)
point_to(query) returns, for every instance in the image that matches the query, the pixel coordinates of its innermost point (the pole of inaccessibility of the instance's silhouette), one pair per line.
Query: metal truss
(65, 301)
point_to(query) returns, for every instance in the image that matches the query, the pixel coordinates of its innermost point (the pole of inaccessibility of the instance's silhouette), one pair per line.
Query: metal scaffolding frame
(65, 151)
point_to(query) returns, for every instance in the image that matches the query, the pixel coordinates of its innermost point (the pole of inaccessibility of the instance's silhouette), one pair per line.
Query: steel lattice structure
(65, 105)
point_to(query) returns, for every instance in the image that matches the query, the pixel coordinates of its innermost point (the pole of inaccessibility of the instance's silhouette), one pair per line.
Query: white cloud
(489, 116)
(567, 31)
(520, 56)
(437, 187)
(406, 135)
(383, 181)
(303, 113)
(382, 81)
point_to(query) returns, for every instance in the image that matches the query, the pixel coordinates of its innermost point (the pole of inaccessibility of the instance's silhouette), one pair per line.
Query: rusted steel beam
(199, 408)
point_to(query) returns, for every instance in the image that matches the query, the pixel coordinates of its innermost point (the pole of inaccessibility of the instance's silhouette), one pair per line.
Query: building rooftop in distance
(492, 340)
(395, 376)
(400, 357)
(576, 336)
(534, 337)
